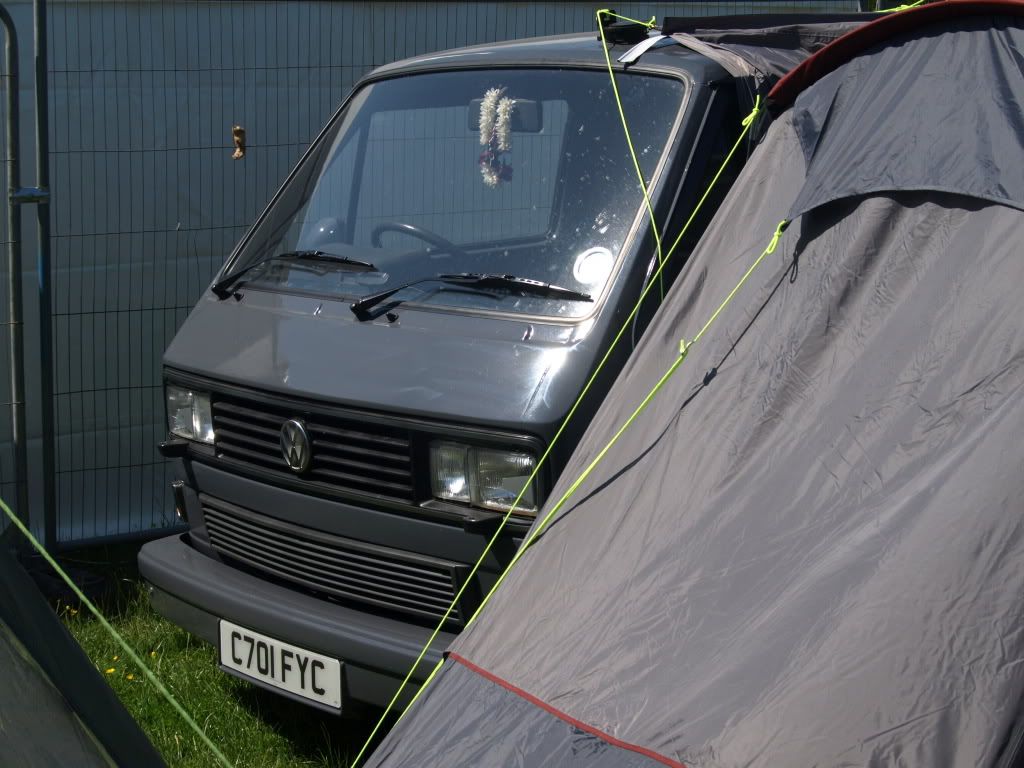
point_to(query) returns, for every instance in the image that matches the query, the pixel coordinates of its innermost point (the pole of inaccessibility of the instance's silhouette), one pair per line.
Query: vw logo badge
(295, 445)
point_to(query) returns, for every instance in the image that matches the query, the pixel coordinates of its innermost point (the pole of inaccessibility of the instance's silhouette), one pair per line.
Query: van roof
(577, 49)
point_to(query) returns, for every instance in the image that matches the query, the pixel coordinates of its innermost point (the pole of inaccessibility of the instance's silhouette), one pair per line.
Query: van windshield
(523, 172)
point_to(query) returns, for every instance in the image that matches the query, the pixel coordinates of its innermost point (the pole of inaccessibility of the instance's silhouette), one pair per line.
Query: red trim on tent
(840, 51)
(563, 716)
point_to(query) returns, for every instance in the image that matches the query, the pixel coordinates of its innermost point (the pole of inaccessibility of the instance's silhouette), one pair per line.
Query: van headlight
(484, 477)
(189, 414)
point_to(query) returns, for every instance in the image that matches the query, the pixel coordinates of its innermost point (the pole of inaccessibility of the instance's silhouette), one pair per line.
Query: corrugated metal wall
(147, 201)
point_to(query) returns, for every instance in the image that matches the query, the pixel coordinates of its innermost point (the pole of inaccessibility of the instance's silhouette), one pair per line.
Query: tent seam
(898, 21)
(916, 188)
(563, 716)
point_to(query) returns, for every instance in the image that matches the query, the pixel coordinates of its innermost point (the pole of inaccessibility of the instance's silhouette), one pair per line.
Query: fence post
(43, 270)
(14, 308)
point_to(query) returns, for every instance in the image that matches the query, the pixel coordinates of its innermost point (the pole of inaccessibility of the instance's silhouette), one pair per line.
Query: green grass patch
(251, 726)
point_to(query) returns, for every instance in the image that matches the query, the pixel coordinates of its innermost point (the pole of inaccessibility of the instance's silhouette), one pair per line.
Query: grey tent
(809, 549)
(55, 709)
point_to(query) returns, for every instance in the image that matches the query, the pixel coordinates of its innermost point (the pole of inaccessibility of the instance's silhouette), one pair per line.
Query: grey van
(361, 395)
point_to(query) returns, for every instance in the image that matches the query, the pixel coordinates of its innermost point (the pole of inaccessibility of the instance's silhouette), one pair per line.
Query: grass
(251, 726)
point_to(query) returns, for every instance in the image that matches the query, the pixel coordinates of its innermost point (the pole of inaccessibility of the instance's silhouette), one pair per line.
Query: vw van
(362, 393)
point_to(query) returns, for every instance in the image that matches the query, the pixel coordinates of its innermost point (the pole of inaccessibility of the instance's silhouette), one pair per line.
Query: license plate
(303, 673)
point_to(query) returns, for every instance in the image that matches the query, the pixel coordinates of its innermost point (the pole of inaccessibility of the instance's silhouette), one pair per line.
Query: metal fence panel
(8, 488)
(147, 201)
(8, 464)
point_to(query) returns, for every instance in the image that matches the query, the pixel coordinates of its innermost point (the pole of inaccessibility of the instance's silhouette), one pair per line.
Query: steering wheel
(418, 232)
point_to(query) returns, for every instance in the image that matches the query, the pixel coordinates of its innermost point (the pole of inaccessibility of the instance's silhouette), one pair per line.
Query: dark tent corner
(55, 708)
(812, 557)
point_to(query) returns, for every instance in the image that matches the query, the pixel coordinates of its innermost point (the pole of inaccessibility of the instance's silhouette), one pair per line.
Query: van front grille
(348, 455)
(321, 562)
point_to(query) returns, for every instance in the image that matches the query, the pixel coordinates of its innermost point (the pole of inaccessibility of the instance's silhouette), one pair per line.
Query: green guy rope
(684, 348)
(747, 122)
(629, 140)
(128, 650)
(649, 23)
(768, 250)
(905, 7)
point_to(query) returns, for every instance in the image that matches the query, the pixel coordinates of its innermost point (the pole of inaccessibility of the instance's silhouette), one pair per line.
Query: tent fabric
(762, 67)
(886, 25)
(530, 735)
(768, 53)
(30, 735)
(758, 58)
(815, 557)
(55, 708)
(807, 550)
(896, 118)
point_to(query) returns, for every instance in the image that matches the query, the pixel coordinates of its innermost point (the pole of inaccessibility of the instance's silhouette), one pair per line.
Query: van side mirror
(527, 116)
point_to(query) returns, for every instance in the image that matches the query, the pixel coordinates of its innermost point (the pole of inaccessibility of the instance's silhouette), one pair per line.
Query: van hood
(493, 371)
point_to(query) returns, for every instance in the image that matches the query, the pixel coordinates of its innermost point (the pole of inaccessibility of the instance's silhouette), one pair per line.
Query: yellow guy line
(905, 7)
(684, 348)
(128, 650)
(629, 140)
(649, 23)
(747, 122)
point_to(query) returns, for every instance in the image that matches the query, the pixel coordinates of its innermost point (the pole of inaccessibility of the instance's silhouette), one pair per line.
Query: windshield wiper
(226, 285)
(475, 280)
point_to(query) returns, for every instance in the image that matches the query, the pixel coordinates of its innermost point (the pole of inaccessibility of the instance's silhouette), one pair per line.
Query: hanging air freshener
(495, 136)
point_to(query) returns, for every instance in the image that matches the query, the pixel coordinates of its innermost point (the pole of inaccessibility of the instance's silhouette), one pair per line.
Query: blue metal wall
(147, 201)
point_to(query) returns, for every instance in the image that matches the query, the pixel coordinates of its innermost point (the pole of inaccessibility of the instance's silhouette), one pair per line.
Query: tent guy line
(746, 123)
(538, 529)
(128, 650)
(770, 594)
(541, 526)
(629, 138)
(684, 349)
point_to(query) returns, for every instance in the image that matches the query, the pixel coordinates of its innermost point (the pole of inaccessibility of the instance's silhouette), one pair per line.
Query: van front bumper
(195, 591)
